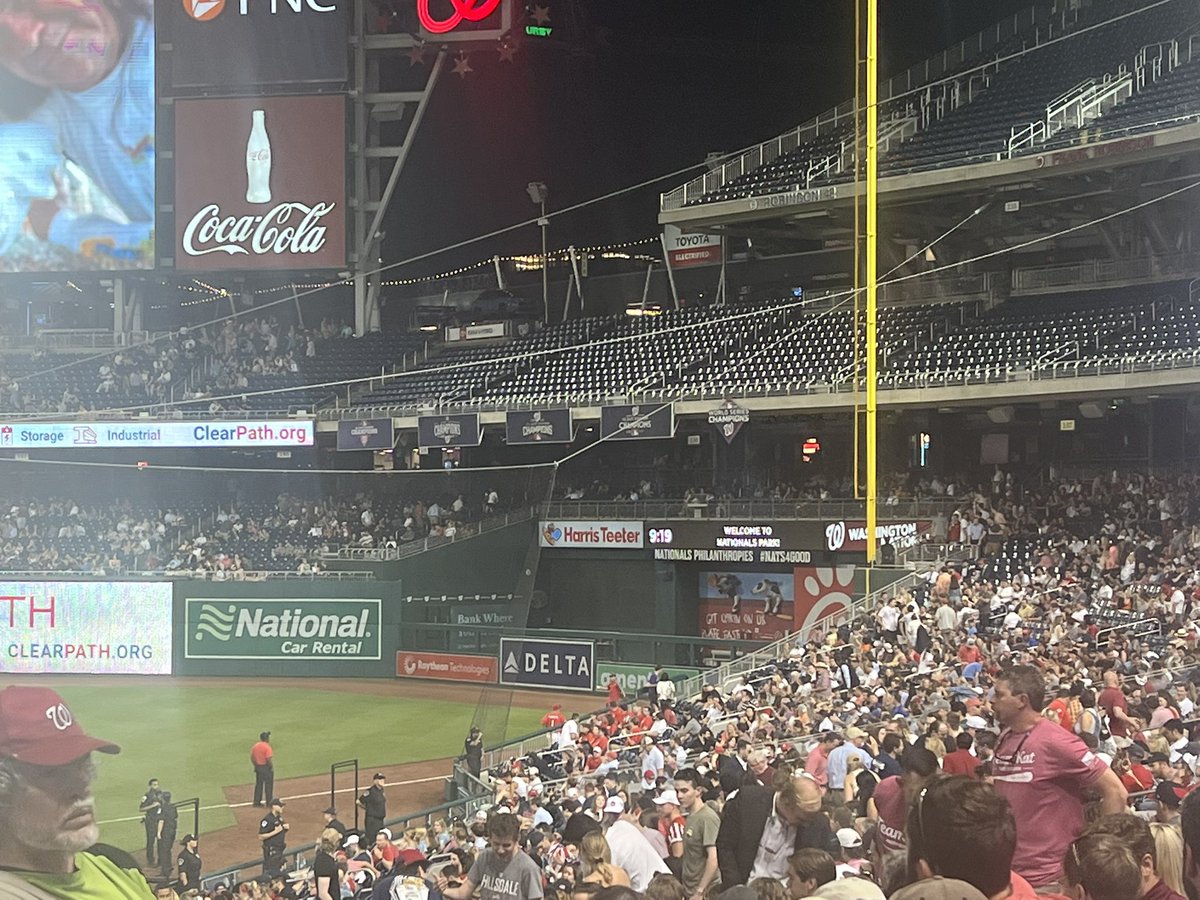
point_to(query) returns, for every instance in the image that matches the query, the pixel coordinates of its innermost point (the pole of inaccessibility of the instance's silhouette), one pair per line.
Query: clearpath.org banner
(90, 628)
(138, 435)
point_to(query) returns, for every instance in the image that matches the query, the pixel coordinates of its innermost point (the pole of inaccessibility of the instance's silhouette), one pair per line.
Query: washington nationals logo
(464, 11)
(60, 716)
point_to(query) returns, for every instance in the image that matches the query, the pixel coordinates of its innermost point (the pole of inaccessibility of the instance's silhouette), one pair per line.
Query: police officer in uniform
(332, 821)
(374, 804)
(189, 864)
(150, 806)
(272, 831)
(168, 827)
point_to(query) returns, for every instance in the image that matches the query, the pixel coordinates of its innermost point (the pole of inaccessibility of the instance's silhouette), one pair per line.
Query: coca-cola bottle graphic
(258, 160)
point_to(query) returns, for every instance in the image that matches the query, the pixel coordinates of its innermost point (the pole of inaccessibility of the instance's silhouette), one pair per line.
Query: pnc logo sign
(207, 10)
(203, 10)
(462, 11)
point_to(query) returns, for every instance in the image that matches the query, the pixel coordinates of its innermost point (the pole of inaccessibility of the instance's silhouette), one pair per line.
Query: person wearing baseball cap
(272, 833)
(332, 821)
(374, 804)
(48, 829)
(189, 863)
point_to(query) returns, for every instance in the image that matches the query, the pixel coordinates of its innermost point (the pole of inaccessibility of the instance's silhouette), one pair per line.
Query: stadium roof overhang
(1044, 193)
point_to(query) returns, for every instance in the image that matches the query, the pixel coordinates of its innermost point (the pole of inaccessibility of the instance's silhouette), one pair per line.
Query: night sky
(624, 91)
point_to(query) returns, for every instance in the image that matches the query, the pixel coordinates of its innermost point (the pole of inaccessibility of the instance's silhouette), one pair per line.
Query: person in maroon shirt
(1113, 701)
(1044, 773)
(1134, 833)
(962, 761)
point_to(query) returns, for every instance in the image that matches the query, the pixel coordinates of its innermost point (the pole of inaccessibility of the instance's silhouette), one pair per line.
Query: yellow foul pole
(872, 79)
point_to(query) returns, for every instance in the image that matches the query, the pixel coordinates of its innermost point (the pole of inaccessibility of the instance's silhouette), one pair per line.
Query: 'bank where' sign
(560, 664)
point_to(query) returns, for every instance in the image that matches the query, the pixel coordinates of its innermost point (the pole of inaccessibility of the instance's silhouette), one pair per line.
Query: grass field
(196, 739)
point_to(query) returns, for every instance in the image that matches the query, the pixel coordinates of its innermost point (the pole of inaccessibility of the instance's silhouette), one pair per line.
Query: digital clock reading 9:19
(661, 535)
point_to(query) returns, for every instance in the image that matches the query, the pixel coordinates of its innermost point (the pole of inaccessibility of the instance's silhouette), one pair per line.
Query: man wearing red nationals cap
(48, 829)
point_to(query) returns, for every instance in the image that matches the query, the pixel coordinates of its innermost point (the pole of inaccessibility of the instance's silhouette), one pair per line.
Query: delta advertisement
(747, 606)
(88, 628)
(260, 183)
(153, 435)
(282, 629)
(77, 117)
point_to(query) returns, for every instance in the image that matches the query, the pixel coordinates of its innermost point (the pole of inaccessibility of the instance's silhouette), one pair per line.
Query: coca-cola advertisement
(260, 183)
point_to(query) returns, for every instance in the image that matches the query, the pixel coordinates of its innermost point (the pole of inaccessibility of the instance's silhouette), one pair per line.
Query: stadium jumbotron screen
(77, 137)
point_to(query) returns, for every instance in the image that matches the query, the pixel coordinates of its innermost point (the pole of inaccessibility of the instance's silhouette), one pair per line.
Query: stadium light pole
(872, 178)
(539, 194)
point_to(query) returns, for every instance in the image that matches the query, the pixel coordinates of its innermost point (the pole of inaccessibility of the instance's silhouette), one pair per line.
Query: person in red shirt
(262, 757)
(1135, 776)
(614, 689)
(1113, 701)
(1059, 710)
(619, 715)
(969, 653)
(962, 761)
(554, 718)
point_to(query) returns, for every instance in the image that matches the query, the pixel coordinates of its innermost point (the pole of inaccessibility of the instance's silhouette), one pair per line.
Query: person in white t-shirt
(630, 848)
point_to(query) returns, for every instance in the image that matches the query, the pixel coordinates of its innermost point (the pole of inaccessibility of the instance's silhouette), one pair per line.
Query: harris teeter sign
(282, 629)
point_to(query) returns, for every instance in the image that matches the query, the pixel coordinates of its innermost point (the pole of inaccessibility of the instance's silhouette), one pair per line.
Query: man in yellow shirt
(48, 829)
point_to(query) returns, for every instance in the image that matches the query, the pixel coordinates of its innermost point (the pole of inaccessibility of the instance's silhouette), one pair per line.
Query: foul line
(285, 799)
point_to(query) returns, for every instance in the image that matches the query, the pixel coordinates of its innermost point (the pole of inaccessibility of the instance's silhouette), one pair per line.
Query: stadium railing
(412, 548)
(298, 857)
(833, 120)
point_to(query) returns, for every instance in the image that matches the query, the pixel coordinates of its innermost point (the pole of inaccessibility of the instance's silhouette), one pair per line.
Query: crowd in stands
(221, 541)
(210, 363)
(1018, 725)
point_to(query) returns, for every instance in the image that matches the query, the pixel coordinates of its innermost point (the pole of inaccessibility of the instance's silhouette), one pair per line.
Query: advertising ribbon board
(149, 435)
(775, 542)
(637, 422)
(325, 630)
(567, 665)
(538, 426)
(457, 430)
(86, 627)
(365, 434)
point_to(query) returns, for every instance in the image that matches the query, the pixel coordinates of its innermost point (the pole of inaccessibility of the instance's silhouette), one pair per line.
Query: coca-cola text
(265, 234)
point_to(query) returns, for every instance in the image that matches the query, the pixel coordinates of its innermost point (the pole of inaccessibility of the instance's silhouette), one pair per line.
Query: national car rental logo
(203, 10)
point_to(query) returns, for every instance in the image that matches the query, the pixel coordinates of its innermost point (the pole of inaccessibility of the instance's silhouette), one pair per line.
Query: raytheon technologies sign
(260, 183)
(282, 629)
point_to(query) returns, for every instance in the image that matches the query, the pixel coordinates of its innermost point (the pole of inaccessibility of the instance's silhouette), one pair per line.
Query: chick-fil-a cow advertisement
(748, 606)
(85, 627)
